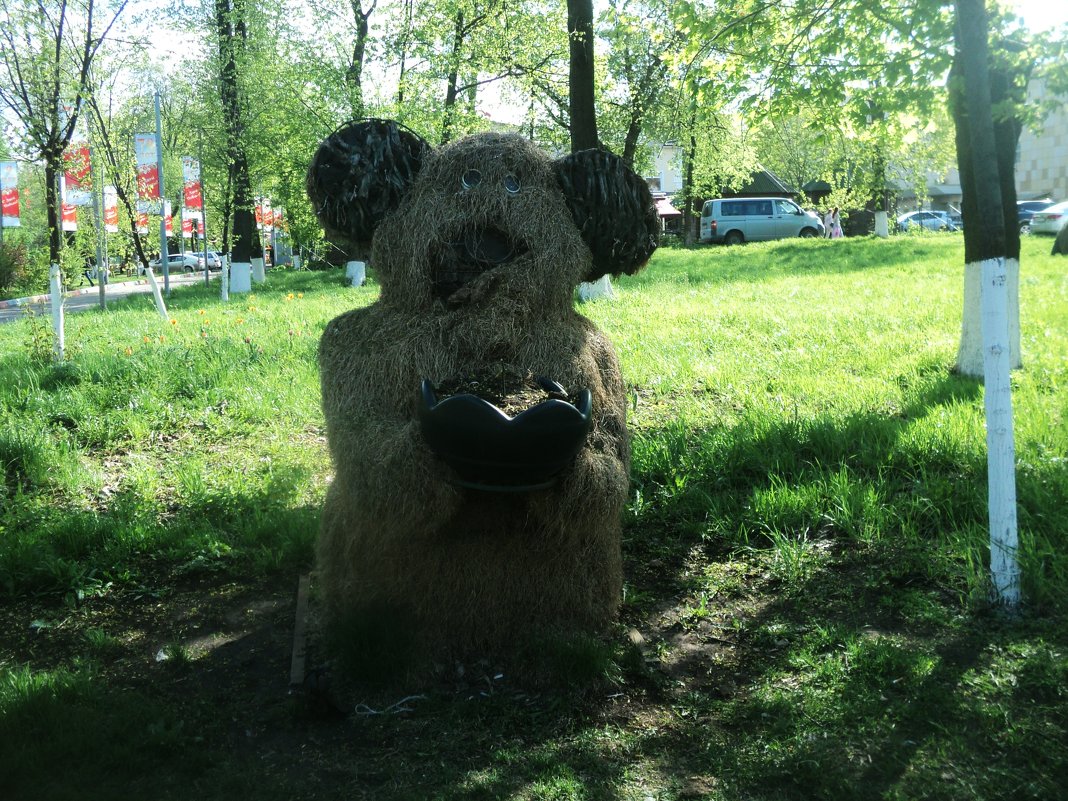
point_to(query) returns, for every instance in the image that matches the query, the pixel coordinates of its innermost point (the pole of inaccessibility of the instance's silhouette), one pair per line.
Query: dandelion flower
(147, 339)
(200, 311)
(161, 337)
(173, 321)
(129, 351)
(300, 294)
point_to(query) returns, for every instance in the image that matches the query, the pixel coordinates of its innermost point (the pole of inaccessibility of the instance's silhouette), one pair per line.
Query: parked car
(1050, 220)
(928, 220)
(1025, 211)
(214, 260)
(183, 261)
(755, 219)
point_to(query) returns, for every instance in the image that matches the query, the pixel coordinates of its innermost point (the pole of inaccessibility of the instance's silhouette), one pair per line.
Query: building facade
(1042, 157)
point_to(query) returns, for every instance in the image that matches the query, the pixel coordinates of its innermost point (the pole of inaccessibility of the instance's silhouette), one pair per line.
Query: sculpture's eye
(511, 184)
(471, 179)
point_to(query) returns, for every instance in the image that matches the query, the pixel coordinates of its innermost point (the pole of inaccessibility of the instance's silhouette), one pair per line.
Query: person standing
(834, 227)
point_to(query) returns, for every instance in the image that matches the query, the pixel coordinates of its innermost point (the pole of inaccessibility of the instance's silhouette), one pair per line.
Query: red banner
(76, 166)
(147, 169)
(111, 210)
(191, 176)
(142, 222)
(70, 217)
(187, 227)
(9, 193)
(10, 201)
(259, 215)
(193, 198)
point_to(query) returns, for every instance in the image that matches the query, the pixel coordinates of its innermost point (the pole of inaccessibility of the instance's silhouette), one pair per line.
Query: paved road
(91, 299)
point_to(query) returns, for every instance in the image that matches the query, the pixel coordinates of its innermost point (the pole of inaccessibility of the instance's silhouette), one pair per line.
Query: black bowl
(491, 451)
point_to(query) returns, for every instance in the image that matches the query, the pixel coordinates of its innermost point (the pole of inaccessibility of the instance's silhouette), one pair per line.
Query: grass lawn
(805, 611)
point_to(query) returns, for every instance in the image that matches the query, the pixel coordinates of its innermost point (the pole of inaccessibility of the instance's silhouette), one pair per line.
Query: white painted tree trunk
(356, 272)
(241, 277)
(882, 224)
(55, 282)
(970, 354)
(259, 274)
(1001, 449)
(600, 289)
(224, 279)
(152, 282)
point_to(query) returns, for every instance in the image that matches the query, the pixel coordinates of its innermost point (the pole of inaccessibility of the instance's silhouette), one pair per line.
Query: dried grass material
(474, 571)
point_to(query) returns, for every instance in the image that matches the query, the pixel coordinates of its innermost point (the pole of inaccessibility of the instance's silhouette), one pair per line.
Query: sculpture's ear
(612, 208)
(359, 175)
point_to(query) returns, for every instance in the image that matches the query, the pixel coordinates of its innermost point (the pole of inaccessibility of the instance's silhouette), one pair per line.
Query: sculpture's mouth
(467, 256)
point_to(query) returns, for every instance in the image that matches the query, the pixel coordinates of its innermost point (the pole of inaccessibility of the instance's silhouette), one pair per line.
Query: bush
(14, 266)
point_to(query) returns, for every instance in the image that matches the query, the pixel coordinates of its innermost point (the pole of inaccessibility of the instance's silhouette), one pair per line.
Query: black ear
(359, 175)
(612, 208)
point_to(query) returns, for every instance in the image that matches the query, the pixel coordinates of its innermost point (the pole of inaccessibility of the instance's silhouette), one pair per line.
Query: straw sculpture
(478, 247)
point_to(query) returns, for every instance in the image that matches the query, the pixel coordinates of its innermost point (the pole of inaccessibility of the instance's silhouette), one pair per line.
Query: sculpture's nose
(472, 253)
(486, 246)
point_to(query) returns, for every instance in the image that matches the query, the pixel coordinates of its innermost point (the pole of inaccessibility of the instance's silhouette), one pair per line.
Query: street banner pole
(163, 255)
(98, 229)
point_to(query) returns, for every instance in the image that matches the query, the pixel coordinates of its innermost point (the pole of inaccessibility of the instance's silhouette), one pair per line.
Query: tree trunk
(1060, 244)
(453, 79)
(354, 73)
(985, 244)
(583, 124)
(634, 131)
(689, 235)
(978, 212)
(246, 244)
(53, 203)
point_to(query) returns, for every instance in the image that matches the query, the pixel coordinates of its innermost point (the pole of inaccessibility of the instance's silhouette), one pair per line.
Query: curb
(16, 302)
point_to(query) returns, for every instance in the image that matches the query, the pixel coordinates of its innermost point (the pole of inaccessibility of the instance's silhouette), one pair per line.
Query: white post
(55, 280)
(224, 275)
(1001, 449)
(160, 307)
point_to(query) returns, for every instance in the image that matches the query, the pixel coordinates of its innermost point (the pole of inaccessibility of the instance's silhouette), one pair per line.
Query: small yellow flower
(173, 321)
(300, 294)
(147, 339)
(161, 337)
(129, 351)
(200, 311)
(206, 321)
(289, 297)
(240, 320)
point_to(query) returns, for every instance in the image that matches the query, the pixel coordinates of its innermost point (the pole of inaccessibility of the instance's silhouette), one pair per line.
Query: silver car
(733, 221)
(1051, 220)
(928, 220)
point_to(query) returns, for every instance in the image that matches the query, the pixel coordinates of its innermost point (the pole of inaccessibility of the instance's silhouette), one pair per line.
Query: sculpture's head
(484, 219)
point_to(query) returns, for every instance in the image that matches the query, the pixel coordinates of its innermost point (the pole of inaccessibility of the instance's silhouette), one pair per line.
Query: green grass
(805, 552)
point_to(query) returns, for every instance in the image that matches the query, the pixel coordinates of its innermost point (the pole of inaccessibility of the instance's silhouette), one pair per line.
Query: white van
(756, 219)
